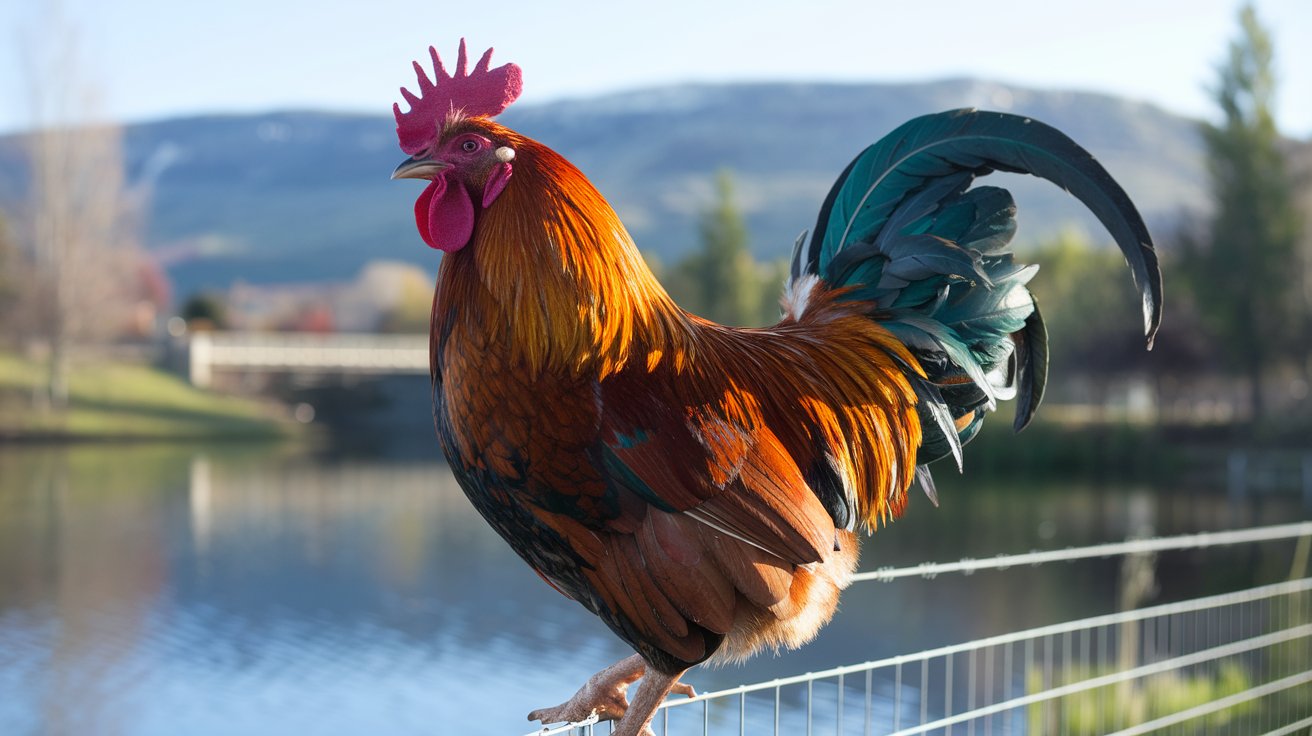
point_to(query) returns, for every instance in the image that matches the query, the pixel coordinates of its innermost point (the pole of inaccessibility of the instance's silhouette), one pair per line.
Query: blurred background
(222, 506)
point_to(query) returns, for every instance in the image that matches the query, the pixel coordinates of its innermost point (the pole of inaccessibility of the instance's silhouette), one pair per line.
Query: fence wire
(1235, 663)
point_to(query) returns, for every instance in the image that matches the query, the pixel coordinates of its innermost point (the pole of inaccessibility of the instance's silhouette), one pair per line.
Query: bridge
(304, 353)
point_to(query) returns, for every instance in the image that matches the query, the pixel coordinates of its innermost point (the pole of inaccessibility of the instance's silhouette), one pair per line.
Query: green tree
(1300, 163)
(1243, 271)
(771, 275)
(205, 310)
(722, 281)
(1087, 303)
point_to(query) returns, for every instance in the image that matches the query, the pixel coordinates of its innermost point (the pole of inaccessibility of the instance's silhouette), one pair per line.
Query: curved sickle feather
(932, 146)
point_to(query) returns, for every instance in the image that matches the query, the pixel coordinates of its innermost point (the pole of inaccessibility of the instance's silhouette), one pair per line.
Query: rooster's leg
(605, 692)
(651, 693)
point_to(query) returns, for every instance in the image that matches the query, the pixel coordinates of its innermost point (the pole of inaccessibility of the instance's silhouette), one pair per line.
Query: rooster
(699, 487)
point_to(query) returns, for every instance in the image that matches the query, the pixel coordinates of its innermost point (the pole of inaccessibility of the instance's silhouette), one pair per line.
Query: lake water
(227, 590)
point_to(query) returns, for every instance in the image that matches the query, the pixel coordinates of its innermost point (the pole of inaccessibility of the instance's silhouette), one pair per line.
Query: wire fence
(1235, 663)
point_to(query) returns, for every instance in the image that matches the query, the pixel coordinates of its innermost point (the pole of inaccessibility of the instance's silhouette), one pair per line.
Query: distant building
(371, 302)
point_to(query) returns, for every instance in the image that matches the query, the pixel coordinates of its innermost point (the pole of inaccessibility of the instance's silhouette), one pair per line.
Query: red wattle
(445, 216)
(421, 211)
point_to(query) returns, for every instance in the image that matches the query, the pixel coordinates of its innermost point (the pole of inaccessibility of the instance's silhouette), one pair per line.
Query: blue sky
(153, 59)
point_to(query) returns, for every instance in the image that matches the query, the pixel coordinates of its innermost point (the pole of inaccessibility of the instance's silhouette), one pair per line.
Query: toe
(559, 714)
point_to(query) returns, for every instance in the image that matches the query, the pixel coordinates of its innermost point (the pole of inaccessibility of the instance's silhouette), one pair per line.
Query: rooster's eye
(469, 146)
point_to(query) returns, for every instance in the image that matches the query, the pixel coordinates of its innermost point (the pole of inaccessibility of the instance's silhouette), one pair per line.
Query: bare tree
(80, 226)
(9, 276)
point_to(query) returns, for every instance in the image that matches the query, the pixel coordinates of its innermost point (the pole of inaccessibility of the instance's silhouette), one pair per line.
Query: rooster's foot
(606, 693)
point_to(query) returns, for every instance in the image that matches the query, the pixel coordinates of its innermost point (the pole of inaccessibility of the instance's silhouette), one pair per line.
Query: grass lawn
(115, 401)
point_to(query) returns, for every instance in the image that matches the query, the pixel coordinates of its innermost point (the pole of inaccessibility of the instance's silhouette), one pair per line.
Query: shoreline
(113, 401)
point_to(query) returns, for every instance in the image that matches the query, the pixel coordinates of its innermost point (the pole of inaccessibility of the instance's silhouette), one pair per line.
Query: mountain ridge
(303, 196)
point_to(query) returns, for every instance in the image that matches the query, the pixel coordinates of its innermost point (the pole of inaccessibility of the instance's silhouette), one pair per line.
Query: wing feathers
(673, 555)
(759, 576)
(619, 580)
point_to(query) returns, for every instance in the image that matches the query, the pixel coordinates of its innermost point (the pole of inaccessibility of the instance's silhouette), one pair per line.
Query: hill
(305, 196)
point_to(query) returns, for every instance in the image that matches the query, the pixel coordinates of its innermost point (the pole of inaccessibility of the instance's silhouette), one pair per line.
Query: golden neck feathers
(552, 272)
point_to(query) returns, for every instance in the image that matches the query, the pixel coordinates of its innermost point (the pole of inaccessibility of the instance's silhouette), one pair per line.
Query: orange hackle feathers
(562, 276)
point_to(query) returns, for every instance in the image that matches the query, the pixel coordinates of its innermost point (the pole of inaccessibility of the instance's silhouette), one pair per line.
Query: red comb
(480, 93)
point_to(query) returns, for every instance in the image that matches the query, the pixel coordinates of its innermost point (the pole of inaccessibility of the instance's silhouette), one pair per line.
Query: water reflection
(219, 590)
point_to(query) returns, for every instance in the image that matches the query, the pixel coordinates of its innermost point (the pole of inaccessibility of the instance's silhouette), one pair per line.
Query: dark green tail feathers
(902, 229)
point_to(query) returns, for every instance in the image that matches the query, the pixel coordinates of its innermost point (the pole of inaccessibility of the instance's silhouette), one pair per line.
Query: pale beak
(417, 167)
